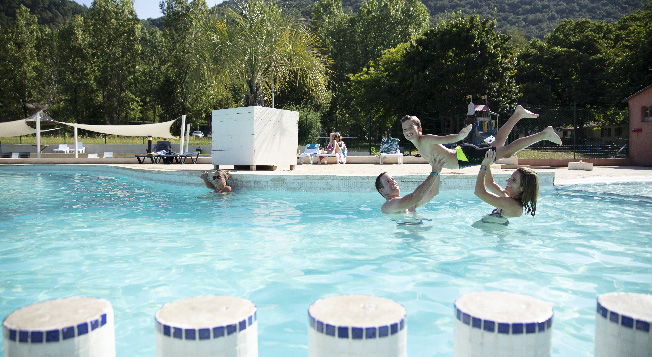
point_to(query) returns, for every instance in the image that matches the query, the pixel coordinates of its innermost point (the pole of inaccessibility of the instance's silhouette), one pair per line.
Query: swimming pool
(140, 245)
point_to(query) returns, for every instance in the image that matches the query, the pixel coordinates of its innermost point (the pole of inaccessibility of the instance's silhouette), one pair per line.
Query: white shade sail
(16, 128)
(159, 130)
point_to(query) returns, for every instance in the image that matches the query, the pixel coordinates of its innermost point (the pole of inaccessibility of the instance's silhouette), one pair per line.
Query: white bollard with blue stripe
(622, 325)
(497, 323)
(207, 326)
(357, 326)
(76, 326)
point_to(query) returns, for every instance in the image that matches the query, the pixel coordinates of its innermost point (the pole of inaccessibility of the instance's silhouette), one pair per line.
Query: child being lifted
(430, 146)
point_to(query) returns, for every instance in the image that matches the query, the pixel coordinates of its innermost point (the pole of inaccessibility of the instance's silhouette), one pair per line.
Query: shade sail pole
(38, 135)
(183, 133)
(76, 153)
(187, 137)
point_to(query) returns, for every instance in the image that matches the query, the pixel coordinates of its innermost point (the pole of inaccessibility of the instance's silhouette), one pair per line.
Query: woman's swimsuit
(495, 217)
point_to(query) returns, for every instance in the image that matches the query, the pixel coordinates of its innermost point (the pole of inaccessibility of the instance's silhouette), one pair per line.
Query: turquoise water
(140, 245)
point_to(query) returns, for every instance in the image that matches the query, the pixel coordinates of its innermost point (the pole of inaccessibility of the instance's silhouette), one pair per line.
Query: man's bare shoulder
(393, 206)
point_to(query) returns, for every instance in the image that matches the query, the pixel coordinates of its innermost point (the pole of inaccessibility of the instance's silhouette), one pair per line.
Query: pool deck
(360, 177)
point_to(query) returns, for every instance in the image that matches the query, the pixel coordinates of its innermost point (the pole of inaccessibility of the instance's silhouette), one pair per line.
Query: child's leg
(504, 130)
(521, 143)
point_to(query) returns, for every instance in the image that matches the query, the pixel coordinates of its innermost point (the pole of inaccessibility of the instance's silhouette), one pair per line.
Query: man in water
(388, 188)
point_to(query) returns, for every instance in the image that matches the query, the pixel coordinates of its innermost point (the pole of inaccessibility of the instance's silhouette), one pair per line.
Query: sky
(148, 8)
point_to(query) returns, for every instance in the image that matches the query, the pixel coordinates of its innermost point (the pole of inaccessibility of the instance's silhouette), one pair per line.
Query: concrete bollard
(357, 325)
(622, 325)
(207, 326)
(496, 323)
(76, 326)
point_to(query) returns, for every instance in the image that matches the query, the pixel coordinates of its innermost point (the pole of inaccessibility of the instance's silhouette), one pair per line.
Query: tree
(75, 74)
(632, 55)
(114, 31)
(585, 63)
(149, 77)
(19, 66)
(260, 50)
(353, 41)
(180, 34)
(432, 76)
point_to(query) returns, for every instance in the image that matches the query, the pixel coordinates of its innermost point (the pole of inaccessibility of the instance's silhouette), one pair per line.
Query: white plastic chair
(310, 151)
(92, 156)
(62, 148)
(389, 148)
(80, 147)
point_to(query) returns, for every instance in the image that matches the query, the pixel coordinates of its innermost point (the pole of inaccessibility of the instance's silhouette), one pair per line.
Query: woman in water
(520, 193)
(219, 183)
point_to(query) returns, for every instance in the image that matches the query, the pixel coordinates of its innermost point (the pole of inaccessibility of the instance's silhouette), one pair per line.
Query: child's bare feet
(551, 135)
(524, 113)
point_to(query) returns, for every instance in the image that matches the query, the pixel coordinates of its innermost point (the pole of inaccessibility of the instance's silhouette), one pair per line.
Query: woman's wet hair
(530, 185)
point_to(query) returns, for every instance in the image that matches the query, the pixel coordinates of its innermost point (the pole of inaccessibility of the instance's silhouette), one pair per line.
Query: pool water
(140, 245)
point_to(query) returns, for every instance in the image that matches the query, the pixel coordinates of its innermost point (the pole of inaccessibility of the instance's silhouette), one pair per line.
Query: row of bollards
(491, 323)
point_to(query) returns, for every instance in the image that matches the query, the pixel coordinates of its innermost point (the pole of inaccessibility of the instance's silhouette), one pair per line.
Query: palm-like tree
(256, 48)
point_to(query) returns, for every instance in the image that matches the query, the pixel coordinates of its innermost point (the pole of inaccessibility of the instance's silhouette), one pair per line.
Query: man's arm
(437, 166)
(400, 204)
(427, 189)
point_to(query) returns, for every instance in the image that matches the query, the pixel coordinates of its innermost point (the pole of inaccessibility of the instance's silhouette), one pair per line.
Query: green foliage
(309, 123)
(75, 74)
(588, 63)
(51, 13)
(260, 50)
(184, 89)
(114, 32)
(353, 41)
(432, 76)
(19, 69)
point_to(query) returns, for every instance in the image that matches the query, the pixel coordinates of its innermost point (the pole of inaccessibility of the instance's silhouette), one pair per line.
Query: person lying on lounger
(219, 183)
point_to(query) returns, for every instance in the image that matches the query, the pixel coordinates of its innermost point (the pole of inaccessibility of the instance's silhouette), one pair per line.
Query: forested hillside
(534, 18)
(48, 12)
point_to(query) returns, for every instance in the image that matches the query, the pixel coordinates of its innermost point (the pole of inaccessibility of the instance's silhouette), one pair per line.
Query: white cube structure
(255, 136)
(357, 326)
(622, 325)
(207, 326)
(76, 326)
(497, 323)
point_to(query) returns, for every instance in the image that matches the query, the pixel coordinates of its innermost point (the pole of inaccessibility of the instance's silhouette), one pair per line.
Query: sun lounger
(62, 148)
(193, 156)
(310, 151)
(141, 158)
